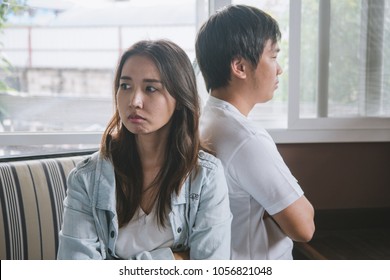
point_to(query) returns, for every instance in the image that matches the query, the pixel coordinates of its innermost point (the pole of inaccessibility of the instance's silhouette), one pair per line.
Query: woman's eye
(124, 86)
(150, 89)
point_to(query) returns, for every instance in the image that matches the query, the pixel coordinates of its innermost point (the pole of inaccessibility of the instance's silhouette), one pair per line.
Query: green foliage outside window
(6, 8)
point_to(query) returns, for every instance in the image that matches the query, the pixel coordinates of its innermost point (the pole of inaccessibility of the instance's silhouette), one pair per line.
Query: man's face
(265, 76)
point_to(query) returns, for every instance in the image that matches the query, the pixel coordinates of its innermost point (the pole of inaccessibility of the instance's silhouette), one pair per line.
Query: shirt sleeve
(210, 235)
(78, 238)
(258, 168)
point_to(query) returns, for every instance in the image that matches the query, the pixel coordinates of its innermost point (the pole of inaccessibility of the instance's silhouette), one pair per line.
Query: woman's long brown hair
(181, 153)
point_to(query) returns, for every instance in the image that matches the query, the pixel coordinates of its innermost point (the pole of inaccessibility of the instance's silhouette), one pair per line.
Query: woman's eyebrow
(152, 81)
(147, 80)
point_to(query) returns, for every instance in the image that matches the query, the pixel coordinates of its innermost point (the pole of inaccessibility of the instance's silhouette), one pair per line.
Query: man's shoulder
(227, 132)
(217, 119)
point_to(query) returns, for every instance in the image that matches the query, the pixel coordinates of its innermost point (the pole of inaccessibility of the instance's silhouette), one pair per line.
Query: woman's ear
(239, 67)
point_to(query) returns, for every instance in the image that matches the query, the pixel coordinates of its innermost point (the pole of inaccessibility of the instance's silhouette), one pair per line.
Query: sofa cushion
(31, 206)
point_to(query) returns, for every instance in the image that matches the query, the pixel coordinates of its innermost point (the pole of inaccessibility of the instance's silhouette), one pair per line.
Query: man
(237, 50)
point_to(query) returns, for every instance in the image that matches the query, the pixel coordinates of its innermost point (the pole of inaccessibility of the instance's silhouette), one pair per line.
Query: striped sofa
(31, 205)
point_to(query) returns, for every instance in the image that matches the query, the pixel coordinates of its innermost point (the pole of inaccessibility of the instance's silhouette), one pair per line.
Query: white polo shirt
(257, 177)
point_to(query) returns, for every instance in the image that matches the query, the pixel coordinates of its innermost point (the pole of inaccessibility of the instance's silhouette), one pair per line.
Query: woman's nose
(136, 99)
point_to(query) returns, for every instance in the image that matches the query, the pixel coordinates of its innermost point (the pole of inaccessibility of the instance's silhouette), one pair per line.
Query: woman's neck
(151, 149)
(151, 152)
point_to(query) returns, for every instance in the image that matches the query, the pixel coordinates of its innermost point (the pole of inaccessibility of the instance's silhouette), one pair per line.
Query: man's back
(240, 68)
(258, 181)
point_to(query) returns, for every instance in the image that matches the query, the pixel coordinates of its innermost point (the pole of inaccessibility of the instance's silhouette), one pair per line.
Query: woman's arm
(78, 238)
(183, 255)
(210, 235)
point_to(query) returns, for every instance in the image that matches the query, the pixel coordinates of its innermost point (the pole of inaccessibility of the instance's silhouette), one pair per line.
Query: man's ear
(239, 67)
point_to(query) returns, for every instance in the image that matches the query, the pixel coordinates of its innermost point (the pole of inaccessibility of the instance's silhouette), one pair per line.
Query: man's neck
(236, 98)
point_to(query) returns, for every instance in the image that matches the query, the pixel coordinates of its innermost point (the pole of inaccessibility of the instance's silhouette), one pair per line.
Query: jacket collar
(183, 194)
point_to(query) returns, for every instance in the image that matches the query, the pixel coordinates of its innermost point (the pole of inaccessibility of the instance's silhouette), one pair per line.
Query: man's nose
(279, 70)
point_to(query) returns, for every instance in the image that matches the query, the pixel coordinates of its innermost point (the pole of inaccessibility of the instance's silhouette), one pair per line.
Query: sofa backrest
(31, 206)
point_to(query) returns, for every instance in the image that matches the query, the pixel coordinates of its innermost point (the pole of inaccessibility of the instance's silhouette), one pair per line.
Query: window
(338, 90)
(335, 85)
(348, 78)
(58, 60)
(61, 57)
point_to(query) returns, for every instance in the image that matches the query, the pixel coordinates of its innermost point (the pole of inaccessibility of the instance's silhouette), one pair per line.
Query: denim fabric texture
(200, 215)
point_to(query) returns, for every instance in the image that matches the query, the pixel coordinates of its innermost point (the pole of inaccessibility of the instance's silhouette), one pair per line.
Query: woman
(151, 192)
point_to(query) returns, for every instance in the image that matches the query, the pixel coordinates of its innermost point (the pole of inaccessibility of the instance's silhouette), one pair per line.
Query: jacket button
(179, 229)
(112, 234)
(179, 246)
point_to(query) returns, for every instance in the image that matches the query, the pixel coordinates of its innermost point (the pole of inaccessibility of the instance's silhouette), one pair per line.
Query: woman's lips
(135, 118)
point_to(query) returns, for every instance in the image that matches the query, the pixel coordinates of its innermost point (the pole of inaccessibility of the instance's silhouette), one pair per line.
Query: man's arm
(297, 220)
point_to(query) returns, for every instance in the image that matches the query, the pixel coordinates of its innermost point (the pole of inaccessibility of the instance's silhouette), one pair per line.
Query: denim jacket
(200, 215)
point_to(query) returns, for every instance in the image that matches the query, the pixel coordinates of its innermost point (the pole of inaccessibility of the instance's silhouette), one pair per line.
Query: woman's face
(144, 104)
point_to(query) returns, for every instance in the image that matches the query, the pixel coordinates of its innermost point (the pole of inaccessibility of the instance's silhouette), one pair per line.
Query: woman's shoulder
(208, 160)
(88, 163)
(210, 176)
(93, 163)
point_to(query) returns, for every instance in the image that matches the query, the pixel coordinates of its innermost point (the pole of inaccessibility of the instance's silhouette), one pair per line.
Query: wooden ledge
(348, 234)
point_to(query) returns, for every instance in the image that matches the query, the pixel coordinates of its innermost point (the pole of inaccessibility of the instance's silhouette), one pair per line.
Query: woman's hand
(183, 255)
